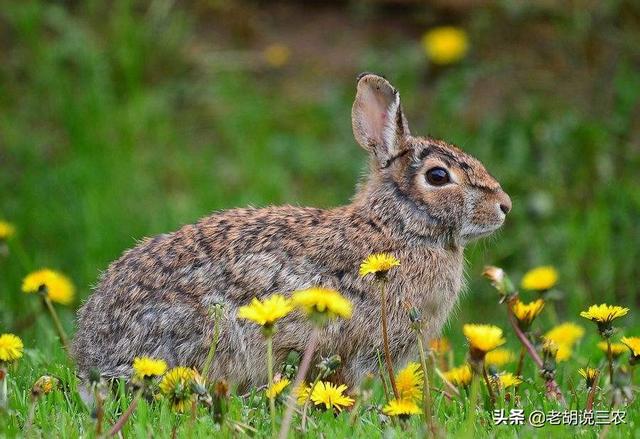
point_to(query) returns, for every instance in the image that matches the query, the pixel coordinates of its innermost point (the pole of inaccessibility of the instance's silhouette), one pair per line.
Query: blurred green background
(124, 119)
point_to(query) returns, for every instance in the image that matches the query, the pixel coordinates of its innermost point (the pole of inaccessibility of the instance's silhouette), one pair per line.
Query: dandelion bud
(590, 376)
(221, 389)
(415, 318)
(199, 388)
(329, 365)
(549, 352)
(220, 394)
(499, 280)
(291, 364)
(494, 274)
(94, 376)
(216, 310)
(44, 385)
(414, 315)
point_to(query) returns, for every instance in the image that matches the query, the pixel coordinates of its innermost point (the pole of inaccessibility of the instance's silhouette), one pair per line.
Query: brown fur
(155, 299)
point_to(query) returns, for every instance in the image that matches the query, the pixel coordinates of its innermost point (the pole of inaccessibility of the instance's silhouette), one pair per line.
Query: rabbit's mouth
(472, 232)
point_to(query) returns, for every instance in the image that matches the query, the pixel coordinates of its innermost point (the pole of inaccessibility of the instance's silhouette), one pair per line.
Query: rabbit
(422, 201)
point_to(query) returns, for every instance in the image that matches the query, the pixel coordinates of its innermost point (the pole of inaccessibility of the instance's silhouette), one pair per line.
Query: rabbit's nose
(504, 202)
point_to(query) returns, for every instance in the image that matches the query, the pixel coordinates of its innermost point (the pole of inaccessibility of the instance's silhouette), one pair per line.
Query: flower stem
(552, 387)
(610, 358)
(306, 403)
(521, 361)
(3, 389)
(354, 413)
(492, 396)
(126, 415)
(473, 401)
(97, 394)
(551, 311)
(426, 394)
(56, 322)
(212, 348)
(385, 339)
(592, 393)
(32, 412)
(451, 387)
(272, 402)
(302, 372)
(383, 380)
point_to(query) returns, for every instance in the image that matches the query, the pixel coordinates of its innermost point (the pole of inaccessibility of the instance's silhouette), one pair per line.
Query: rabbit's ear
(376, 116)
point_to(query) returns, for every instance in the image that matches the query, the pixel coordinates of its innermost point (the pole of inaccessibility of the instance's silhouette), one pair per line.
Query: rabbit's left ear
(378, 122)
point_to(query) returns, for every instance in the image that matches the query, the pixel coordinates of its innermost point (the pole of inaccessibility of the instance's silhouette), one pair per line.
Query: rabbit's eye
(437, 176)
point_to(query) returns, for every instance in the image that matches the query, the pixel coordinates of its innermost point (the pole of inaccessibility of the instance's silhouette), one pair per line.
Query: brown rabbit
(422, 202)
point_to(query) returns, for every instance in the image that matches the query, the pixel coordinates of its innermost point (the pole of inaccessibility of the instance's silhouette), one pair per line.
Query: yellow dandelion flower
(633, 343)
(499, 357)
(508, 379)
(409, 381)
(445, 44)
(459, 376)
(44, 385)
(617, 349)
(302, 393)
(604, 313)
(566, 333)
(323, 301)
(276, 55)
(7, 230)
(483, 338)
(378, 264)
(59, 287)
(401, 407)
(177, 387)
(267, 312)
(331, 396)
(148, 367)
(11, 347)
(527, 312)
(564, 352)
(277, 388)
(440, 346)
(549, 348)
(558, 351)
(540, 278)
(590, 375)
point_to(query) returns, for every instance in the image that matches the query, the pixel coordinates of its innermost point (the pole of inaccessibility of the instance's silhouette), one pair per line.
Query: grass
(111, 129)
